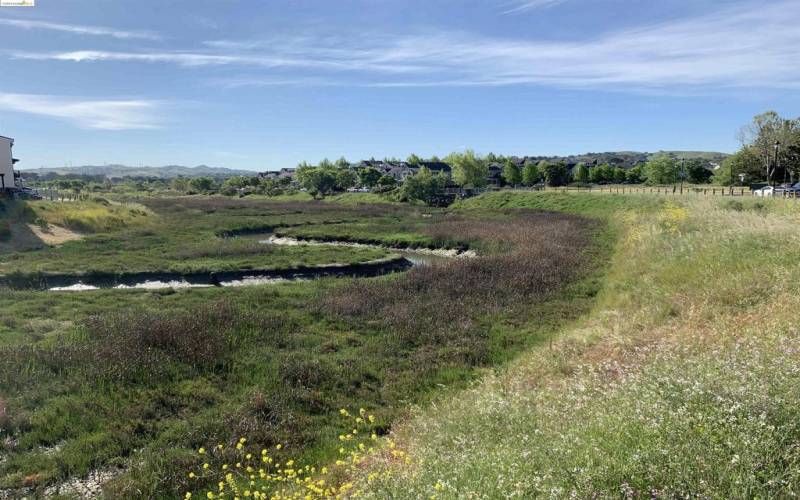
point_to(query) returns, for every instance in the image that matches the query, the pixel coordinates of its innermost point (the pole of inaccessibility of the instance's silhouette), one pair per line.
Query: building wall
(6, 166)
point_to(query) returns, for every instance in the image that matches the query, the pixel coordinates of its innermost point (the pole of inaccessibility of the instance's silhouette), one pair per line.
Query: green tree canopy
(581, 173)
(695, 171)
(530, 173)
(761, 136)
(602, 174)
(413, 159)
(423, 186)
(345, 179)
(511, 173)
(469, 170)
(556, 174)
(369, 177)
(342, 163)
(661, 170)
(634, 175)
(202, 184)
(319, 181)
(745, 161)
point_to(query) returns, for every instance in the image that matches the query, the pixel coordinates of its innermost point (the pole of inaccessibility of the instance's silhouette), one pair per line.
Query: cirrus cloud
(747, 46)
(94, 114)
(78, 29)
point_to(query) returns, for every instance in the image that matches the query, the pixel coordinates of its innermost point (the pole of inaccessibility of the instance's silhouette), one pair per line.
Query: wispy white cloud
(748, 46)
(189, 59)
(522, 5)
(95, 114)
(78, 29)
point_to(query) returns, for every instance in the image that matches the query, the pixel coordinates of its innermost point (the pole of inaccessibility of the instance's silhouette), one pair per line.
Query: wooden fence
(663, 190)
(56, 195)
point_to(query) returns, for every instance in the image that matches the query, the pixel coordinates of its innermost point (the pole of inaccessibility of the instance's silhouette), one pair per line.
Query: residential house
(495, 176)
(8, 177)
(437, 167)
(399, 170)
(278, 174)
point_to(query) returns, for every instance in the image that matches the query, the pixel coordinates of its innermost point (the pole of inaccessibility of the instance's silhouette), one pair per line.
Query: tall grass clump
(91, 216)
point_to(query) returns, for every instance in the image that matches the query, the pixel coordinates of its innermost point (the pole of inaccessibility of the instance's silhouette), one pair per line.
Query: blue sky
(266, 84)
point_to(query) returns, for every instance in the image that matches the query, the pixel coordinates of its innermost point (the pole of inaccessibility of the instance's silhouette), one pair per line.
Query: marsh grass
(140, 379)
(533, 255)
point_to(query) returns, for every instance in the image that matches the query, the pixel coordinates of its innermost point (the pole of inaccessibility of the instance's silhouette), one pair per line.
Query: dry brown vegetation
(533, 254)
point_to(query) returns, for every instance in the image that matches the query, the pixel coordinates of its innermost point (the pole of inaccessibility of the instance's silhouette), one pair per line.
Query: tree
(581, 173)
(387, 182)
(468, 169)
(761, 134)
(661, 170)
(232, 185)
(342, 163)
(345, 179)
(512, 173)
(369, 177)
(745, 161)
(201, 184)
(618, 175)
(556, 174)
(602, 174)
(413, 159)
(319, 181)
(530, 173)
(180, 183)
(696, 171)
(423, 186)
(634, 175)
(325, 163)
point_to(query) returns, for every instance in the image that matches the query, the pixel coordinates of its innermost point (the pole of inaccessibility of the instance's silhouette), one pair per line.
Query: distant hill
(165, 172)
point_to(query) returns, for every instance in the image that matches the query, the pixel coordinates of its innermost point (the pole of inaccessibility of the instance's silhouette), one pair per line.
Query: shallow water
(156, 281)
(400, 260)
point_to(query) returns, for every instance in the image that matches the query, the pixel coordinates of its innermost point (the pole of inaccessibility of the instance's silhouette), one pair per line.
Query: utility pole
(732, 181)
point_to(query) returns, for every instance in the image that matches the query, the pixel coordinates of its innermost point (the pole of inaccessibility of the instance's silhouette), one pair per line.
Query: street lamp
(777, 164)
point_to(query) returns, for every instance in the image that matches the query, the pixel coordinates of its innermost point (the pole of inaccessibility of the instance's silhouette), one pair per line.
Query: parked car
(28, 194)
(765, 191)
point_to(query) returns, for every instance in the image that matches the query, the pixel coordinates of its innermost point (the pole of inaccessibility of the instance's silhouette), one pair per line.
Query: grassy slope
(84, 216)
(682, 380)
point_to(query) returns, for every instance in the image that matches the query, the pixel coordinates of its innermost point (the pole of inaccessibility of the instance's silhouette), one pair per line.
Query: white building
(7, 161)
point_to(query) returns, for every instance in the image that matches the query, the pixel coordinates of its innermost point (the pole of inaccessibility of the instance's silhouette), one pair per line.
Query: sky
(262, 85)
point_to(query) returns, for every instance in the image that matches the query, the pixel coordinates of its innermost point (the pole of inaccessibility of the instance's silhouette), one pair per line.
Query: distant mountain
(165, 172)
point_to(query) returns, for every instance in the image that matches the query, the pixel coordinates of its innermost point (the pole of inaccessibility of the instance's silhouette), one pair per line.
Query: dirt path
(54, 235)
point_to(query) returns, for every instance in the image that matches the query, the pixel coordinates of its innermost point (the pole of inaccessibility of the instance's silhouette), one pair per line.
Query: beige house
(7, 161)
